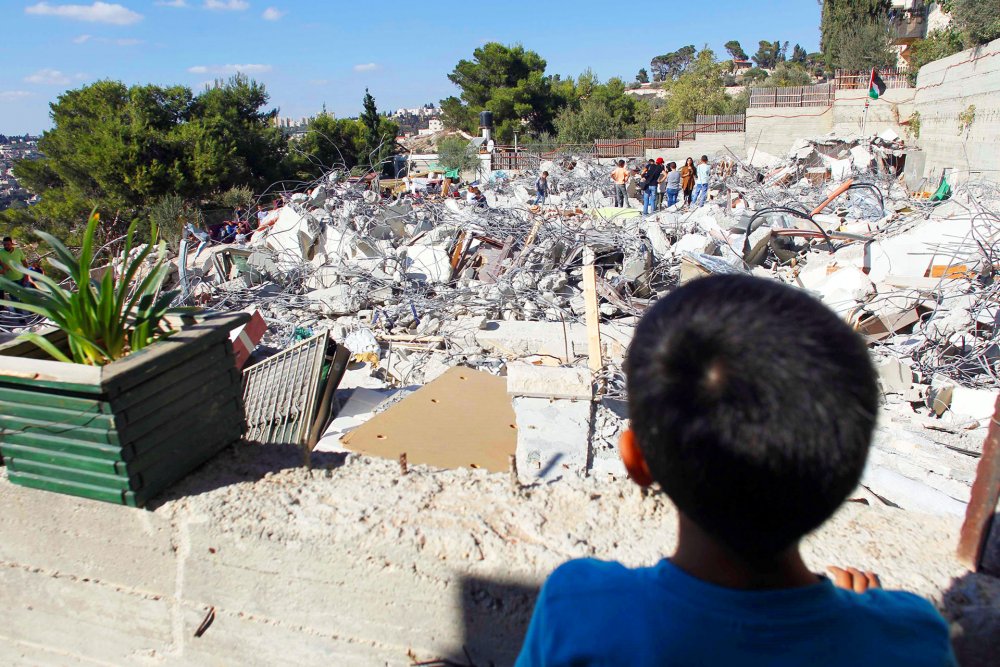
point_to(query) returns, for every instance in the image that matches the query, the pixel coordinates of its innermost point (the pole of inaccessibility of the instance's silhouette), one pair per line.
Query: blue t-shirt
(597, 613)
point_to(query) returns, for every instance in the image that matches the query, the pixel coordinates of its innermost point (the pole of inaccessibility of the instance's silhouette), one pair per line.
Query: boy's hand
(853, 579)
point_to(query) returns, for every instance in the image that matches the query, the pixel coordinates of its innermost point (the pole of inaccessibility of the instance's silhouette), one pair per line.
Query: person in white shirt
(701, 182)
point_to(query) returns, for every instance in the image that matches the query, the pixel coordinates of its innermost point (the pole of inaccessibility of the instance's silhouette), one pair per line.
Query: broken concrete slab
(978, 404)
(895, 376)
(549, 382)
(553, 438)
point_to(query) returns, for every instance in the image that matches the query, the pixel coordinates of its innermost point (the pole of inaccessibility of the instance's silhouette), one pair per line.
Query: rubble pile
(413, 283)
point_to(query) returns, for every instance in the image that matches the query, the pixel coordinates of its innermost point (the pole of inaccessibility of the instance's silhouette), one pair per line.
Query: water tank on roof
(486, 119)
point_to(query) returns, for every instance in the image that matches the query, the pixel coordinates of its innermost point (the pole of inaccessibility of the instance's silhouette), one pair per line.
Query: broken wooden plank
(595, 357)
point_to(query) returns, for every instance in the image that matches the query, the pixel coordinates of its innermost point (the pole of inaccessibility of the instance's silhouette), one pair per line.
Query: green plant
(913, 125)
(457, 153)
(169, 213)
(966, 118)
(104, 320)
(939, 44)
(238, 196)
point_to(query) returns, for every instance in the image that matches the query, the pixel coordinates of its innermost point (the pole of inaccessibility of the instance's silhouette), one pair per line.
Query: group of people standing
(659, 181)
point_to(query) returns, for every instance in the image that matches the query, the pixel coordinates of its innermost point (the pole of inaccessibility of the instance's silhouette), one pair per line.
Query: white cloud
(227, 5)
(230, 69)
(49, 77)
(11, 95)
(366, 67)
(171, 3)
(122, 41)
(98, 12)
(273, 14)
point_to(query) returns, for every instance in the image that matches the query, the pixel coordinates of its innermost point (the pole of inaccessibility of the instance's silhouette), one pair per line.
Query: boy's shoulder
(581, 607)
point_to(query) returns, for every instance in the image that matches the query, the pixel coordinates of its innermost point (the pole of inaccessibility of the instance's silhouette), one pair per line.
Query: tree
(735, 50)
(769, 54)
(938, 44)
(510, 82)
(642, 76)
(799, 55)
(457, 153)
(854, 34)
(379, 135)
(699, 90)
(603, 111)
(672, 65)
(118, 149)
(788, 74)
(754, 75)
(329, 143)
(978, 21)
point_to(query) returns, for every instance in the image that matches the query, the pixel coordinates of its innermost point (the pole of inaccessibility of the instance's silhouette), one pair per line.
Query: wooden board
(462, 419)
(593, 317)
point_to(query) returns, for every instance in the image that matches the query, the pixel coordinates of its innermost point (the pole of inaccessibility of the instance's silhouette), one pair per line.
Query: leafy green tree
(118, 149)
(788, 74)
(457, 153)
(509, 81)
(642, 76)
(754, 76)
(799, 55)
(699, 90)
(379, 135)
(978, 21)
(369, 119)
(329, 143)
(938, 44)
(735, 50)
(603, 111)
(769, 54)
(854, 34)
(671, 65)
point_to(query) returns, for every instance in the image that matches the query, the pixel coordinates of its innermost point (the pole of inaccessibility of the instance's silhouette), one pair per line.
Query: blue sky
(311, 53)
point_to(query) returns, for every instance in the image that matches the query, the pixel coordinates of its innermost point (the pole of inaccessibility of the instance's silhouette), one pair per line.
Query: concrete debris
(415, 283)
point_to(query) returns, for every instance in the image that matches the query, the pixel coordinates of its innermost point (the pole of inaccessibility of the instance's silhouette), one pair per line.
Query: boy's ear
(633, 459)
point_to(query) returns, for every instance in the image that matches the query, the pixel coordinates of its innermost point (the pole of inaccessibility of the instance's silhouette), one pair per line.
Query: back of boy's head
(753, 405)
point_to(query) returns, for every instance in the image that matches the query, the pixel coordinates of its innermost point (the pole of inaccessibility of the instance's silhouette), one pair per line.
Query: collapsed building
(542, 300)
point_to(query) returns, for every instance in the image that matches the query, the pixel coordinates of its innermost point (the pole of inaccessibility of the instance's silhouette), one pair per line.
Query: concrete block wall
(946, 88)
(708, 144)
(774, 129)
(884, 113)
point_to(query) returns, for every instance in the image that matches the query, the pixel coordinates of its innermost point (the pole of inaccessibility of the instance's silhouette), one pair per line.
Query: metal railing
(520, 161)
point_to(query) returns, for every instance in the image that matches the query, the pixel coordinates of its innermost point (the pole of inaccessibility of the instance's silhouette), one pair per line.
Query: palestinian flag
(876, 86)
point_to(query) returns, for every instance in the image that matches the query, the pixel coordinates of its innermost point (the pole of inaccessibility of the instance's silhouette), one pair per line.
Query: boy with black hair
(757, 430)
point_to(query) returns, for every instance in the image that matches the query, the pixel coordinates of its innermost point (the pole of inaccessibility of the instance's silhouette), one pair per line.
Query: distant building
(911, 20)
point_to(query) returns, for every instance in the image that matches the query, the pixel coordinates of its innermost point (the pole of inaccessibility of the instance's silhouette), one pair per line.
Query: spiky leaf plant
(105, 320)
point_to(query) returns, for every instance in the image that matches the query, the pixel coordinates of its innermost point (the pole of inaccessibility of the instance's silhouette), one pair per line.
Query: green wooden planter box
(124, 432)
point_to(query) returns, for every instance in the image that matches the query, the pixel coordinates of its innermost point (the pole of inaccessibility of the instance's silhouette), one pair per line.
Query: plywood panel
(462, 419)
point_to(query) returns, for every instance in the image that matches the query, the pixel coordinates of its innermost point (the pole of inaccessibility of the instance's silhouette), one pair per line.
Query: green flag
(876, 86)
